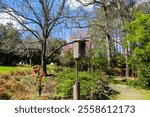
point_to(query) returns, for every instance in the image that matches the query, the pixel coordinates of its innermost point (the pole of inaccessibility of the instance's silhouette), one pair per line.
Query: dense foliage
(9, 41)
(139, 38)
(92, 85)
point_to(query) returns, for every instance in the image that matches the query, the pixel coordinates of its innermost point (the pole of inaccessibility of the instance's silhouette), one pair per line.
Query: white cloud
(5, 18)
(140, 1)
(74, 4)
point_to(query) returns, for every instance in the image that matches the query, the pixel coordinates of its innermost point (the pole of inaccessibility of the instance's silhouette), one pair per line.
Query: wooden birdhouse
(79, 49)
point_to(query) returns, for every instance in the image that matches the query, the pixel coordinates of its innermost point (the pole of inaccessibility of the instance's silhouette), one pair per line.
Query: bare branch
(58, 48)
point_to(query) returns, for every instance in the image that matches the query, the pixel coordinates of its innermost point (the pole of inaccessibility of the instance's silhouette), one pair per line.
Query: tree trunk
(132, 72)
(30, 61)
(43, 60)
(107, 38)
(108, 51)
(89, 57)
(30, 57)
(126, 59)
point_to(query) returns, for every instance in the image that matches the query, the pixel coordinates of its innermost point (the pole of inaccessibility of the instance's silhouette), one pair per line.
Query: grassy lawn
(9, 69)
(146, 94)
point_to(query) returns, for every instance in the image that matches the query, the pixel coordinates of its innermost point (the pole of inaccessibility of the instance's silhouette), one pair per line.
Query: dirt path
(130, 93)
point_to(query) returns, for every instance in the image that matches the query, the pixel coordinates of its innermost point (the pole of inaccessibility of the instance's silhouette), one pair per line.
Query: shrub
(52, 69)
(144, 78)
(92, 85)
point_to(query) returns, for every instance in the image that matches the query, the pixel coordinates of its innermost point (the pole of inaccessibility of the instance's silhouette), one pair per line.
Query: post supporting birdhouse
(78, 53)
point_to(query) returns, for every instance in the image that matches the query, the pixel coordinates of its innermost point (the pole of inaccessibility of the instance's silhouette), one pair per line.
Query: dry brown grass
(5, 76)
(2, 82)
(16, 89)
(17, 86)
(2, 89)
(21, 96)
(45, 97)
(4, 94)
(11, 88)
(28, 72)
(7, 86)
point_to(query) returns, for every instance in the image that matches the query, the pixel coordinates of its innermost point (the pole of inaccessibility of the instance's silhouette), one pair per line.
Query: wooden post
(76, 86)
(76, 91)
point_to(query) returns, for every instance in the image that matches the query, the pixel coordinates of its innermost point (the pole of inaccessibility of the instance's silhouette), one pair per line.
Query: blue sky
(58, 32)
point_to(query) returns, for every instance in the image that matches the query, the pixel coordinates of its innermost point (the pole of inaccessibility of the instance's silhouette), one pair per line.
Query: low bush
(92, 85)
(52, 69)
(144, 78)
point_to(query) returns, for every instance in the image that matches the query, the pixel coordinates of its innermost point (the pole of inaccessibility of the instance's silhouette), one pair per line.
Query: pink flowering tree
(67, 51)
(67, 55)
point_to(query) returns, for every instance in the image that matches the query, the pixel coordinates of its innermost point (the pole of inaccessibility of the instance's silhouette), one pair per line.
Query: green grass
(130, 93)
(145, 93)
(9, 69)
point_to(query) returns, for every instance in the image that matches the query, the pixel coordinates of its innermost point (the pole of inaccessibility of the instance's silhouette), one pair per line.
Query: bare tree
(111, 16)
(39, 17)
(105, 26)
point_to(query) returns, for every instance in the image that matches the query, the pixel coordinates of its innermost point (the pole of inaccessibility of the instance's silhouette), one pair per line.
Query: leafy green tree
(9, 43)
(9, 37)
(139, 39)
